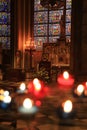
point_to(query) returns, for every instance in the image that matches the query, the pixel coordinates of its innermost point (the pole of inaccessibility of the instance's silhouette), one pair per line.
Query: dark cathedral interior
(43, 64)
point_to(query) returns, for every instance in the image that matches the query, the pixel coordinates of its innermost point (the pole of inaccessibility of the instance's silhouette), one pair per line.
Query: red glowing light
(85, 85)
(30, 87)
(38, 103)
(85, 88)
(37, 88)
(37, 84)
(65, 80)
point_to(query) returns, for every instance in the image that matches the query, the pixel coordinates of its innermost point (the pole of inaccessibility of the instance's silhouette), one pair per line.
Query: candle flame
(80, 89)
(67, 106)
(65, 75)
(22, 86)
(37, 84)
(27, 103)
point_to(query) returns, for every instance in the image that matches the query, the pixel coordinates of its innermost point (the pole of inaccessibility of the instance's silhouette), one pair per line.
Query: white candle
(28, 107)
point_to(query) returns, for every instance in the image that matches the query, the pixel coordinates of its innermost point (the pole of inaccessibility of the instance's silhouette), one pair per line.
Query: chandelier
(52, 4)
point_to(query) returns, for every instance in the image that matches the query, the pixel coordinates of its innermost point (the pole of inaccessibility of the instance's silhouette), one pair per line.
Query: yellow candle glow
(37, 84)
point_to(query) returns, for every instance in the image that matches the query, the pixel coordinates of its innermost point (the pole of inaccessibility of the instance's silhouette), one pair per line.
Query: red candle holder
(65, 80)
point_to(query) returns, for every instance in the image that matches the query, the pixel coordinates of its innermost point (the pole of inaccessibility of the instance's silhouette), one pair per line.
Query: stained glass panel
(5, 23)
(68, 4)
(4, 30)
(40, 30)
(68, 28)
(55, 16)
(40, 17)
(54, 29)
(39, 42)
(4, 18)
(37, 6)
(68, 15)
(40, 39)
(53, 39)
(5, 5)
(5, 42)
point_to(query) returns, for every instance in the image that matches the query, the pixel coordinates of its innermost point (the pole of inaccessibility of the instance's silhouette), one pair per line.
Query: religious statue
(62, 26)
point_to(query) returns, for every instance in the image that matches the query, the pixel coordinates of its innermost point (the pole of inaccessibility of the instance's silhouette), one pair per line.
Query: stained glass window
(5, 24)
(55, 16)
(47, 23)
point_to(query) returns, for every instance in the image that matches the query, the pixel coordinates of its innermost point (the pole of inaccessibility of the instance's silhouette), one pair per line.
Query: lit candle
(37, 84)
(79, 90)
(22, 88)
(65, 79)
(37, 88)
(28, 107)
(5, 99)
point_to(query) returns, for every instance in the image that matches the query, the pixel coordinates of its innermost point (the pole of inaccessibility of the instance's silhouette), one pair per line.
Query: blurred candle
(28, 107)
(22, 88)
(79, 90)
(65, 79)
(37, 85)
